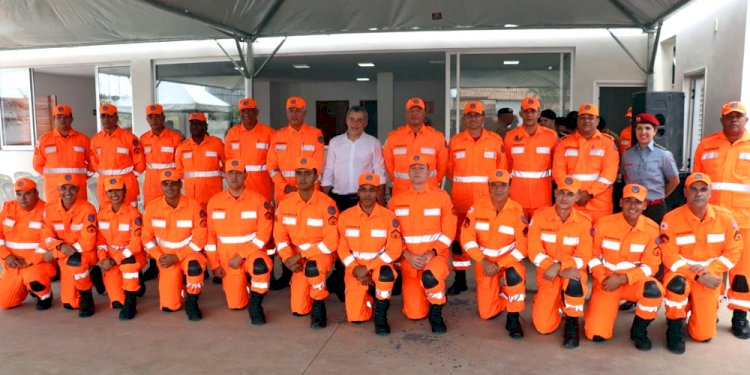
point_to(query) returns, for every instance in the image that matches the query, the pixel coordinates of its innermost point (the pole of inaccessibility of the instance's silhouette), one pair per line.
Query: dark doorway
(330, 117)
(371, 106)
(613, 103)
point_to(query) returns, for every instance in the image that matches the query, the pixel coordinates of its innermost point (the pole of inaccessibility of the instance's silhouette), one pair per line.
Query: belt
(654, 202)
(351, 196)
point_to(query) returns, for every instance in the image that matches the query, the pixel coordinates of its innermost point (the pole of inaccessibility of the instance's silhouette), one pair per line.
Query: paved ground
(56, 341)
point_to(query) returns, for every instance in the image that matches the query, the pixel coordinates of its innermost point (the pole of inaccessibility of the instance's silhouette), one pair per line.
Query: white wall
(78, 92)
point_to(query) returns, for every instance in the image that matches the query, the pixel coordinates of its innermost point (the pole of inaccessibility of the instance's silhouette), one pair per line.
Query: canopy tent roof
(178, 97)
(55, 23)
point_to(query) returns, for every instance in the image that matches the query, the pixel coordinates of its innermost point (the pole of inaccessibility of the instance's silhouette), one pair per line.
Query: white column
(142, 81)
(262, 96)
(385, 105)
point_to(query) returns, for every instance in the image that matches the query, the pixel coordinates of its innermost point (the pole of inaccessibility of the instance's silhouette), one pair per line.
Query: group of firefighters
(499, 211)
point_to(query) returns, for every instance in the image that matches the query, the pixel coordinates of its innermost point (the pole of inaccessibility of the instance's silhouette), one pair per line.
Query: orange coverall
(403, 142)
(251, 148)
(530, 166)
(201, 165)
(55, 156)
(118, 154)
(287, 147)
(159, 151)
(119, 239)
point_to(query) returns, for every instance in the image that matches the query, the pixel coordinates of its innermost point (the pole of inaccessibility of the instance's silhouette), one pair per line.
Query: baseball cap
(474, 107)
(635, 191)
(234, 165)
(295, 102)
(304, 163)
(107, 109)
(530, 103)
(500, 175)
(113, 183)
(169, 175)
(647, 118)
(70, 179)
(418, 158)
(248, 103)
(197, 116)
(62, 110)
(569, 183)
(415, 102)
(733, 107)
(24, 184)
(154, 109)
(695, 177)
(369, 179)
(588, 109)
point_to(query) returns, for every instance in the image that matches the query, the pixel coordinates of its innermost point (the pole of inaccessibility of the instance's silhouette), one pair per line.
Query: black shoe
(397, 285)
(116, 305)
(216, 280)
(142, 285)
(87, 304)
(167, 309)
(598, 338)
(255, 309)
(571, 334)
(68, 306)
(513, 325)
(56, 276)
(44, 304)
(283, 281)
(97, 279)
(335, 282)
(459, 284)
(639, 333)
(435, 316)
(152, 271)
(675, 336)
(128, 310)
(740, 327)
(191, 308)
(318, 317)
(381, 317)
(627, 306)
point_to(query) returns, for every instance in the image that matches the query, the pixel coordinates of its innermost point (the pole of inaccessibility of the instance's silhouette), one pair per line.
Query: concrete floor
(56, 341)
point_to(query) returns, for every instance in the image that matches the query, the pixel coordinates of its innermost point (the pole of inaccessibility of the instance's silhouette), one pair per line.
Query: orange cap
(733, 107)
(629, 113)
(24, 184)
(234, 165)
(369, 179)
(473, 107)
(500, 175)
(634, 191)
(695, 177)
(247, 103)
(295, 102)
(304, 163)
(62, 110)
(530, 103)
(418, 158)
(569, 183)
(154, 109)
(113, 183)
(588, 109)
(415, 102)
(70, 179)
(107, 109)
(169, 175)
(197, 116)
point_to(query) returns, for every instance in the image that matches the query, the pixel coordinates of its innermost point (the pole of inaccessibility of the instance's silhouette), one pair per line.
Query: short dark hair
(356, 108)
(504, 110)
(548, 113)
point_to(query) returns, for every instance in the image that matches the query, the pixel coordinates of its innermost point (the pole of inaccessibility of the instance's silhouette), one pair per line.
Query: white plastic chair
(22, 174)
(5, 179)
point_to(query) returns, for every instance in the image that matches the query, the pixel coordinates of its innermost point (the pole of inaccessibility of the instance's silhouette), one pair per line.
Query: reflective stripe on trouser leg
(675, 304)
(461, 262)
(260, 276)
(383, 287)
(318, 290)
(113, 283)
(439, 268)
(647, 307)
(130, 280)
(515, 295)
(739, 278)
(574, 299)
(194, 284)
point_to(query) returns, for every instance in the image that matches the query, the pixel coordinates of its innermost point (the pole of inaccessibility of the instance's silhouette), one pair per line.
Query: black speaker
(669, 108)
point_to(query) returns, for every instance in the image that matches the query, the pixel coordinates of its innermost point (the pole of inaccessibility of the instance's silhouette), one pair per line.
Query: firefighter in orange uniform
(415, 138)
(592, 158)
(529, 149)
(240, 222)
(22, 251)
(369, 244)
(474, 154)
(725, 157)
(699, 242)
(626, 135)
(306, 238)
(116, 152)
(174, 233)
(624, 260)
(159, 146)
(494, 235)
(62, 151)
(70, 231)
(559, 244)
(289, 144)
(119, 248)
(425, 214)
(199, 159)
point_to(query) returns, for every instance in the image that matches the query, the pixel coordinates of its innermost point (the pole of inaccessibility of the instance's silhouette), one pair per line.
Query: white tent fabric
(178, 97)
(51, 23)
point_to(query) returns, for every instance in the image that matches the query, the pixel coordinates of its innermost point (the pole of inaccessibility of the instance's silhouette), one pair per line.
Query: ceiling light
(301, 66)
(436, 61)
(363, 79)
(549, 68)
(366, 65)
(511, 62)
(510, 25)
(373, 29)
(415, 27)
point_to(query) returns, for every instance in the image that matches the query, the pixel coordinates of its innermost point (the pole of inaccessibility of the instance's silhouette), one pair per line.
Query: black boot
(675, 336)
(571, 336)
(97, 279)
(435, 316)
(318, 317)
(459, 284)
(639, 333)
(44, 304)
(255, 310)
(87, 304)
(740, 327)
(191, 307)
(283, 281)
(397, 285)
(128, 310)
(513, 325)
(335, 282)
(152, 271)
(381, 317)
(626, 306)
(142, 285)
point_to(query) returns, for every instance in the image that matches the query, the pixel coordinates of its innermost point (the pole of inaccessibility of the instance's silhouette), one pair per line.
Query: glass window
(114, 87)
(15, 108)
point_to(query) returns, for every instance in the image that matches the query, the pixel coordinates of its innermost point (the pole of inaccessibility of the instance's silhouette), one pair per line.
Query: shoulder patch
(331, 210)
(663, 238)
(321, 139)
(332, 220)
(91, 229)
(267, 205)
(737, 235)
(524, 220)
(135, 142)
(395, 223)
(467, 223)
(202, 214)
(663, 225)
(139, 221)
(92, 217)
(395, 234)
